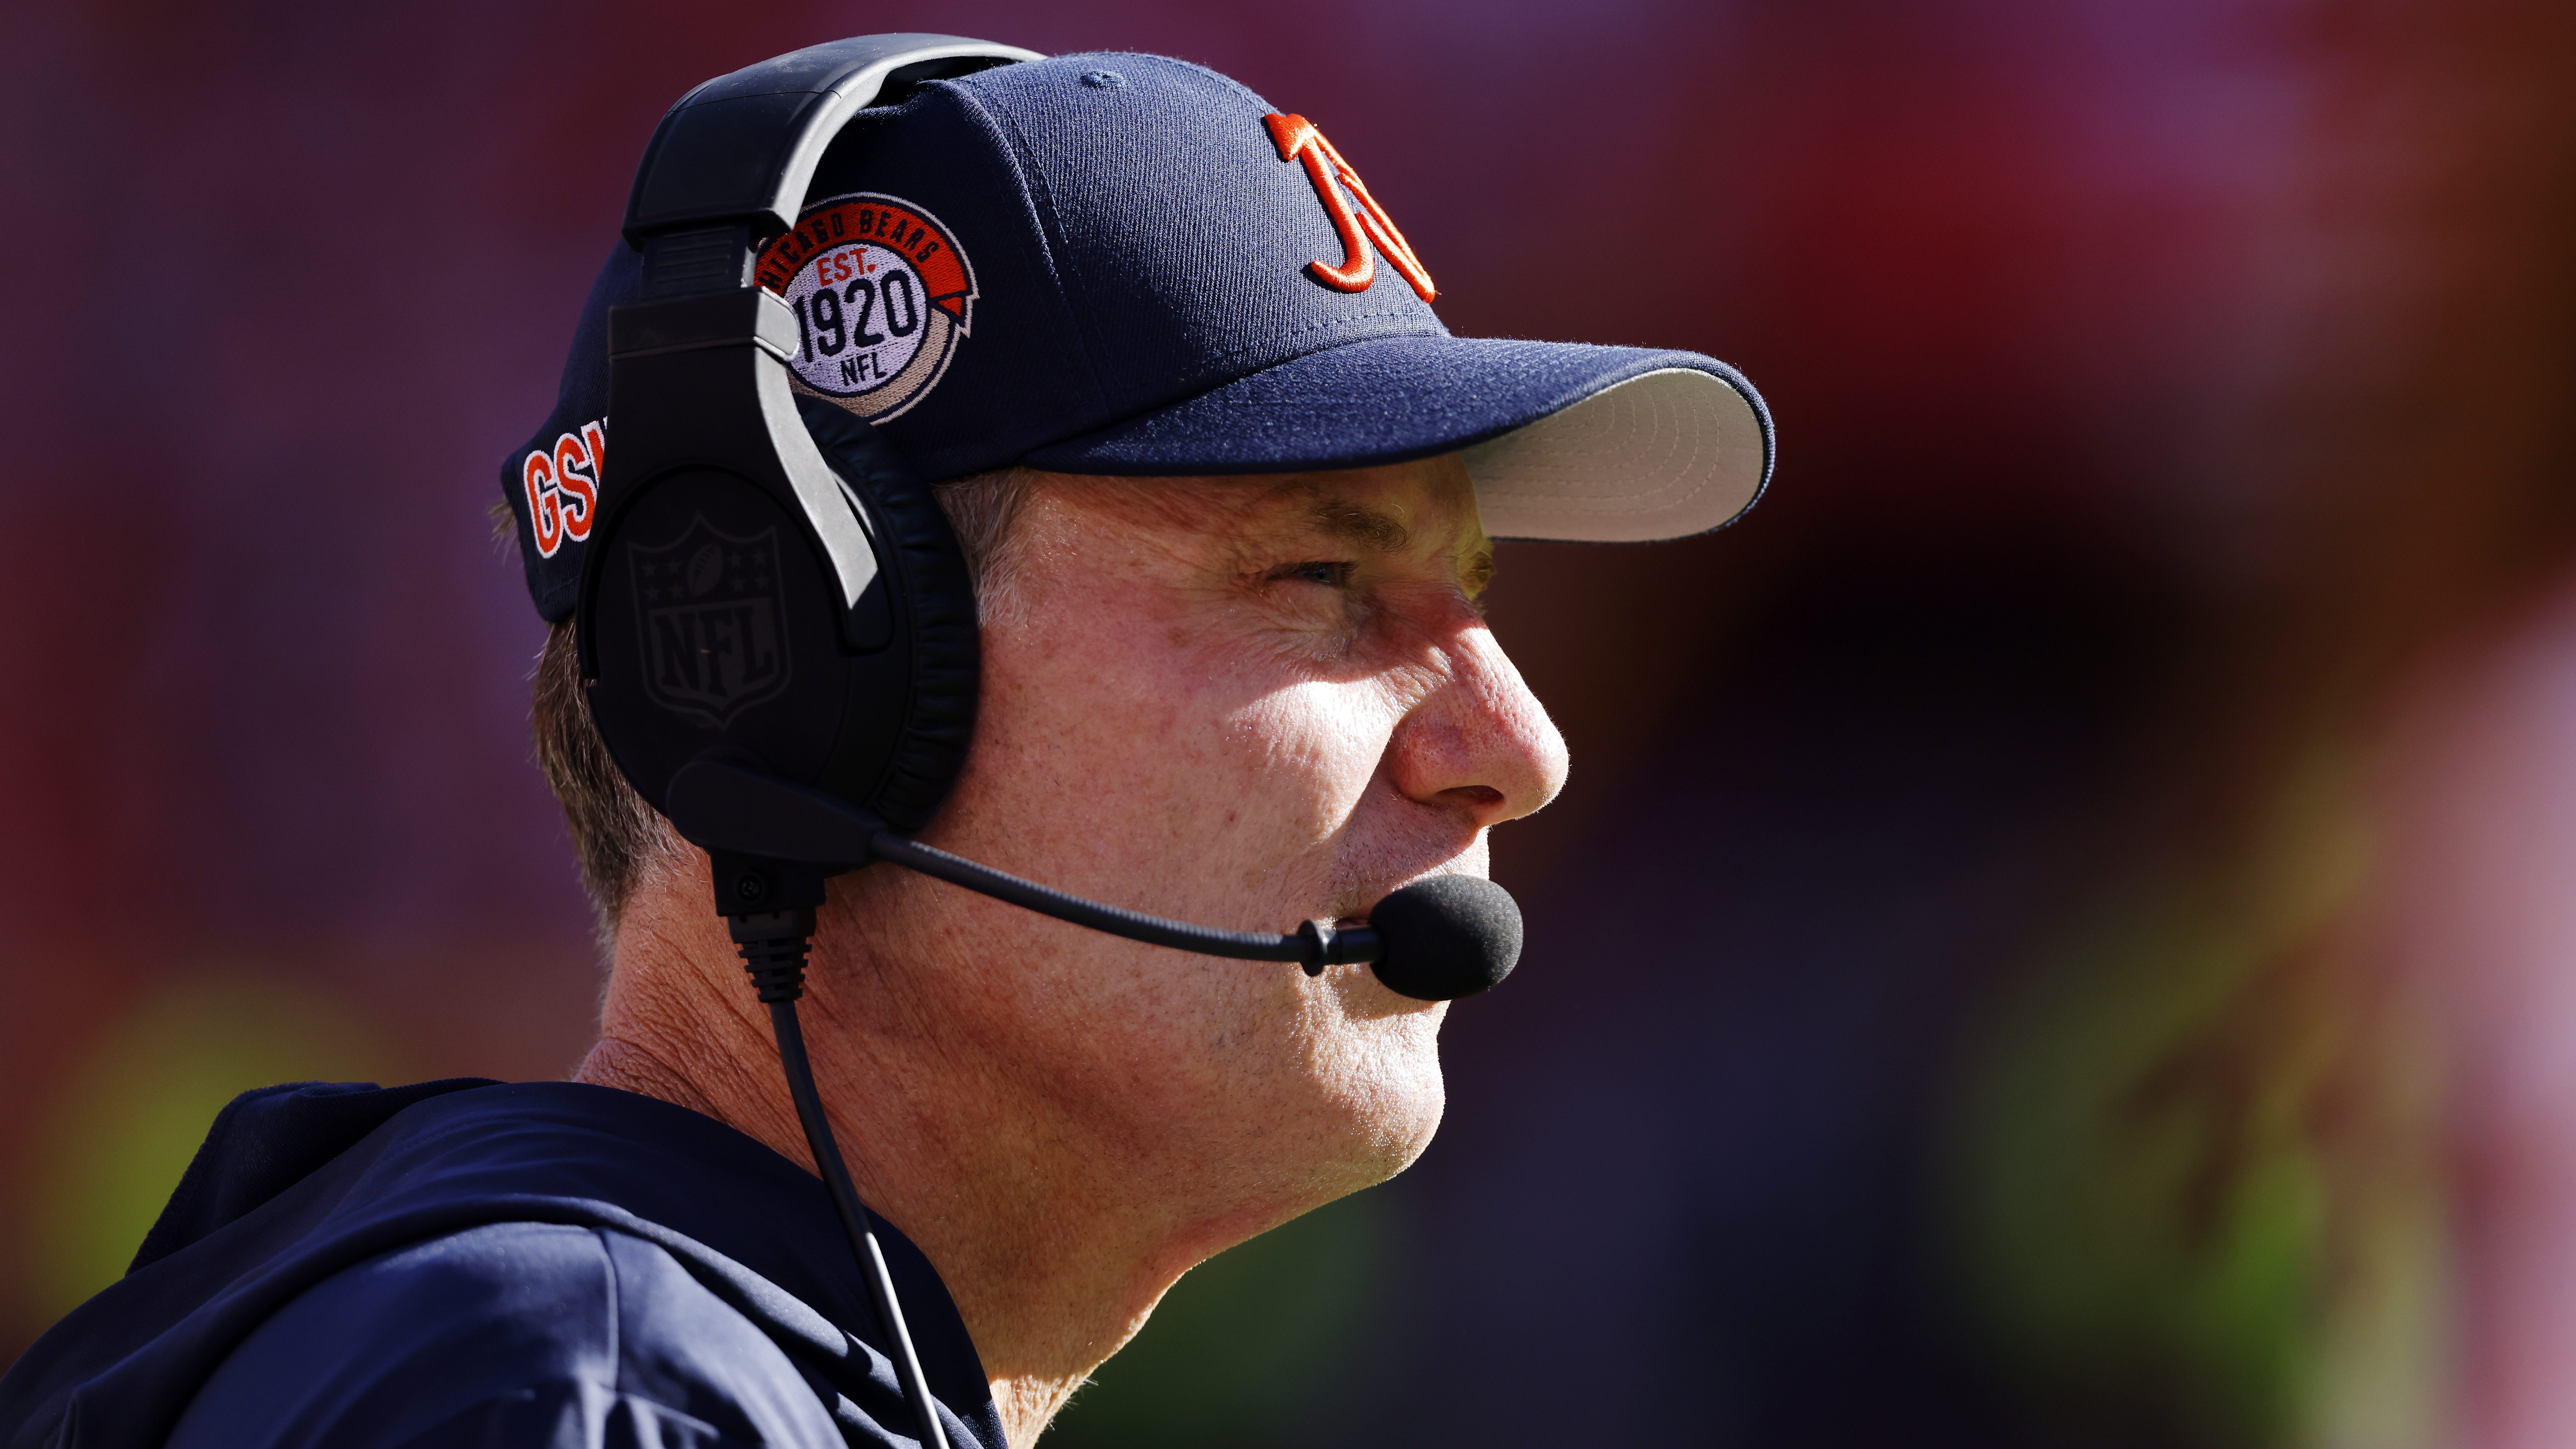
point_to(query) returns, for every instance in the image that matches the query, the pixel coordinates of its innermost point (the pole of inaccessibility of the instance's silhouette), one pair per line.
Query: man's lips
(1375, 894)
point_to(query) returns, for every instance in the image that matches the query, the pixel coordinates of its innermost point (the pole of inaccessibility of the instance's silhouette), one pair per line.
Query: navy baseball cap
(1130, 265)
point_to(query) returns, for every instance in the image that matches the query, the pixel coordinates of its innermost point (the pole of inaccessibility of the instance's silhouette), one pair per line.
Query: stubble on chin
(1383, 1078)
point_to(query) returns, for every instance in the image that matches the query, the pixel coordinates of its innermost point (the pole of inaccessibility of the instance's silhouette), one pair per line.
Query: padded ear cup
(934, 721)
(709, 618)
(712, 618)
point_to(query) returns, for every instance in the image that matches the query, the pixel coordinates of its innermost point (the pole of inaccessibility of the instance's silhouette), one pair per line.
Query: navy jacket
(468, 1262)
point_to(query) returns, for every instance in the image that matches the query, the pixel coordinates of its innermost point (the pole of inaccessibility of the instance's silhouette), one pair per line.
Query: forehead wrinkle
(1357, 523)
(1221, 505)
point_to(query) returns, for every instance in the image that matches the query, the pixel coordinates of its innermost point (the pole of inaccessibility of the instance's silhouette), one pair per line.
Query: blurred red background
(2059, 934)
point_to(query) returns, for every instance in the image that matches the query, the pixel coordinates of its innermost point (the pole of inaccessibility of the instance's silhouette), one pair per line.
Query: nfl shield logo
(711, 607)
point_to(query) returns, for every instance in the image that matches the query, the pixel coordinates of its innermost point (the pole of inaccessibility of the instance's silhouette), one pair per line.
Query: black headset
(826, 589)
(853, 663)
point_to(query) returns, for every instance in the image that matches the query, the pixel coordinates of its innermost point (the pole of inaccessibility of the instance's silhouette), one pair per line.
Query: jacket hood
(299, 1182)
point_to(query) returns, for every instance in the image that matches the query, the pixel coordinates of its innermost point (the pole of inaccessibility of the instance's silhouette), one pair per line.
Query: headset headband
(729, 165)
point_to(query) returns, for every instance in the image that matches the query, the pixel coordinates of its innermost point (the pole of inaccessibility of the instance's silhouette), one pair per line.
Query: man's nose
(1481, 743)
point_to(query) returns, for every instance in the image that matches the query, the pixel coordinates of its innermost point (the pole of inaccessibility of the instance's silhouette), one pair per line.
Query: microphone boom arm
(719, 804)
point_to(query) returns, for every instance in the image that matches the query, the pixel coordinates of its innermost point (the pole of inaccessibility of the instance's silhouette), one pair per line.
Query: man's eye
(1330, 575)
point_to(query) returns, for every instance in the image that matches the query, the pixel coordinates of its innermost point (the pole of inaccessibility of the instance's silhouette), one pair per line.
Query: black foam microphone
(1435, 940)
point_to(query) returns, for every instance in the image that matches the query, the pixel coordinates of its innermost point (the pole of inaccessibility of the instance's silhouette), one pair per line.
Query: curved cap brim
(1564, 440)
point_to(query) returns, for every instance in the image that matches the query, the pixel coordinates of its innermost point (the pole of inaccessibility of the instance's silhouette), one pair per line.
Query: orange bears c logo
(1298, 140)
(563, 486)
(882, 294)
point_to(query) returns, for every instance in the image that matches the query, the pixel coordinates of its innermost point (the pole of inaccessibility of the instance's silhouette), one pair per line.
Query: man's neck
(1048, 1283)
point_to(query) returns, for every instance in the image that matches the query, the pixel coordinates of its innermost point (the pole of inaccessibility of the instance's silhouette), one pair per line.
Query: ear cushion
(936, 596)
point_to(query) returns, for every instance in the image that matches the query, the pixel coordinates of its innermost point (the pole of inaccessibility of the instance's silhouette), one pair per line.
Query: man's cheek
(1319, 742)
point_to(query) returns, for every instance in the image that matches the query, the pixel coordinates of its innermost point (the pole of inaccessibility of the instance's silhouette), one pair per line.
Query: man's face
(1244, 702)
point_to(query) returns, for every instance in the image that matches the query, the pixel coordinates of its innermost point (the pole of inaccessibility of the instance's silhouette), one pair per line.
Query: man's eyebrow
(1358, 523)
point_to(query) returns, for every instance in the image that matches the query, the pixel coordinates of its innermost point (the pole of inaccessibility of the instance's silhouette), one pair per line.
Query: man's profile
(1224, 491)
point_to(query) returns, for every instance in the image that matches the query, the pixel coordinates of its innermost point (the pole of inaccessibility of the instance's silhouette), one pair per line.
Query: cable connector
(774, 945)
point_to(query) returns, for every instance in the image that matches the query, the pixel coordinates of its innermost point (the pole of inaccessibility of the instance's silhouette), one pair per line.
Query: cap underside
(1666, 455)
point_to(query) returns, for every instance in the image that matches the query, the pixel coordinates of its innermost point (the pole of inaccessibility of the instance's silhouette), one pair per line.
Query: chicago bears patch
(882, 295)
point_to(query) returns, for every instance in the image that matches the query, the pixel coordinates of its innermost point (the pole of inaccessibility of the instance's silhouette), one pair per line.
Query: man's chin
(1404, 1149)
(1392, 1110)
